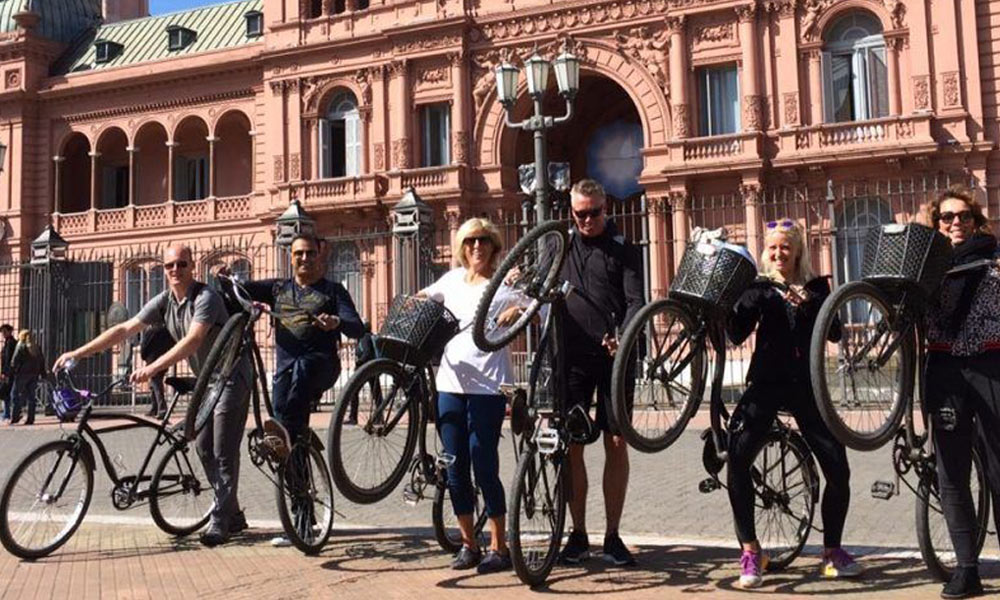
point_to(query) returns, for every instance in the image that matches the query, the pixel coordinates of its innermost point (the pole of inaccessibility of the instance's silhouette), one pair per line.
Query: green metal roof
(144, 40)
(61, 20)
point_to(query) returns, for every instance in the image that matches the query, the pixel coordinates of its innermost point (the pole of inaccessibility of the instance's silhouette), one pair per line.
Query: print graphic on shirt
(296, 307)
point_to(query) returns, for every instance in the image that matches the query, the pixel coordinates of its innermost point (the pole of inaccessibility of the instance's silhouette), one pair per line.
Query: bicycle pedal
(547, 440)
(411, 497)
(883, 490)
(708, 485)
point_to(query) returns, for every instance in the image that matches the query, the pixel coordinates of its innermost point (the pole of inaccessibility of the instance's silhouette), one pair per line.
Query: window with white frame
(344, 267)
(719, 100)
(435, 129)
(340, 138)
(855, 71)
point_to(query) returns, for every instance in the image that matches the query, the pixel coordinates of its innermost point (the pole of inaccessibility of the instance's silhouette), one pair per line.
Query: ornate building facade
(122, 128)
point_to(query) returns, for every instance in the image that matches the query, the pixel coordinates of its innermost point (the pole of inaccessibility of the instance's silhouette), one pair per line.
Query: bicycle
(303, 490)
(55, 481)
(663, 353)
(882, 343)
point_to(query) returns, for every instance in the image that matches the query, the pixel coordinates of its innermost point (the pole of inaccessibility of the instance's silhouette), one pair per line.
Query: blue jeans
(469, 425)
(23, 395)
(295, 388)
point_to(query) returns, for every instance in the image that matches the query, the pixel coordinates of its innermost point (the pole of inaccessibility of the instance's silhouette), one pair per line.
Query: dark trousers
(23, 394)
(963, 397)
(750, 423)
(158, 395)
(469, 425)
(296, 388)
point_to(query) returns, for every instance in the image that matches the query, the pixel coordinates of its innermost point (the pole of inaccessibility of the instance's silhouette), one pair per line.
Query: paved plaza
(683, 538)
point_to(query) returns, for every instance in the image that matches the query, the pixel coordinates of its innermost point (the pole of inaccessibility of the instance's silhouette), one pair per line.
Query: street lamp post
(567, 70)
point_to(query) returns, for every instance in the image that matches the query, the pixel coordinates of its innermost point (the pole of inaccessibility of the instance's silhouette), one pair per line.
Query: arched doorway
(74, 175)
(151, 164)
(233, 152)
(112, 169)
(191, 160)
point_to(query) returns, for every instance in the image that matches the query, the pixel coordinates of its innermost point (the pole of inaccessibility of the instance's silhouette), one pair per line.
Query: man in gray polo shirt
(193, 314)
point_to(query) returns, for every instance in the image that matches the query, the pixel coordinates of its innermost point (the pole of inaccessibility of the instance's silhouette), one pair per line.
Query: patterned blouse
(980, 331)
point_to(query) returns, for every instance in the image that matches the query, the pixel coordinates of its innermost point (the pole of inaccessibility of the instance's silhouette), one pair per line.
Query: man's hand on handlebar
(142, 375)
(63, 359)
(326, 322)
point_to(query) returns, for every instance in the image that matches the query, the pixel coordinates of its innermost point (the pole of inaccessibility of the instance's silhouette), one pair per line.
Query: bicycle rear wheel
(661, 358)
(932, 530)
(526, 276)
(369, 460)
(863, 382)
(305, 498)
(180, 497)
(446, 530)
(786, 488)
(537, 515)
(214, 375)
(45, 498)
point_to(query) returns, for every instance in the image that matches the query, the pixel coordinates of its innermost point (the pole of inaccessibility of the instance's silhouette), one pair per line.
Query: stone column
(401, 110)
(679, 201)
(211, 165)
(750, 190)
(460, 83)
(131, 174)
(57, 162)
(170, 171)
(93, 178)
(659, 252)
(892, 49)
(750, 81)
(815, 87)
(678, 78)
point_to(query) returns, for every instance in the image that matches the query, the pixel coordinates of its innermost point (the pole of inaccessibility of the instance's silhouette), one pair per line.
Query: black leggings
(751, 422)
(963, 397)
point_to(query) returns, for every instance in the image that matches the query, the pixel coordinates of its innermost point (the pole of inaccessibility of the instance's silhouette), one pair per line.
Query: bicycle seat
(181, 385)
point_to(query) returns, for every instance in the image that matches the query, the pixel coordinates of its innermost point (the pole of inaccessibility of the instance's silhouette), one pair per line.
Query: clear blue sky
(157, 7)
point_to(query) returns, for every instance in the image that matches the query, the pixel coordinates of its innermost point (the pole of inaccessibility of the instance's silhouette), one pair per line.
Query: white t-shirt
(465, 369)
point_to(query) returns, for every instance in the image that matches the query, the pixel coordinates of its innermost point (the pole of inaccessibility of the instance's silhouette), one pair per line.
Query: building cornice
(160, 106)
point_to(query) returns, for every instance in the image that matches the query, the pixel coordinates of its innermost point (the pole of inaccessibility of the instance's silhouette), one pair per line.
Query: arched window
(340, 138)
(241, 269)
(855, 72)
(136, 289)
(344, 267)
(855, 218)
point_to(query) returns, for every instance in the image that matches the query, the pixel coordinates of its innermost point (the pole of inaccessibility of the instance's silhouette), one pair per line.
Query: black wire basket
(910, 255)
(415, 331)
(712, 276)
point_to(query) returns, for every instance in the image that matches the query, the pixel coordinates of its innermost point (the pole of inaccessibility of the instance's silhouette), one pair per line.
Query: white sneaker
(280, 542)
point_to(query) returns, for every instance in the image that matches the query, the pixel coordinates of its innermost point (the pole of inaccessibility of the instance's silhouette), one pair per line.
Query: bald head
(178, 264)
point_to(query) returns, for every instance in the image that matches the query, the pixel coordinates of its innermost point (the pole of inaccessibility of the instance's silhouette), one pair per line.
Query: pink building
(124, 131)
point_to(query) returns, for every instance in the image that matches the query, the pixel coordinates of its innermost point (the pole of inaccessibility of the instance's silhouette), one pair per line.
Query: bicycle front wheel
(446, 530)
(658, 377)
(932, 530)
(786, 488)
(180, 496)
(374, 430)
(863, 381)
(526, 277)
(305, 498)
(537, 515)
(214, 375)
(45, 498)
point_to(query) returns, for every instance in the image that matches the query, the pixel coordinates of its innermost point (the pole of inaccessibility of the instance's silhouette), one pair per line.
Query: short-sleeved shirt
(296, 336)
(201, 304)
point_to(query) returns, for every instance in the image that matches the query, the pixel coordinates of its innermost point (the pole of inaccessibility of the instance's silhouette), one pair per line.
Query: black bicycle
(47, 495)
(303, 490)
(866, 385)
(664, 355)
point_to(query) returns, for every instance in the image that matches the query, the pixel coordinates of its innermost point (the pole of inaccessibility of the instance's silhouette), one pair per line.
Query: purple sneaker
(838, 563)
(751, 569)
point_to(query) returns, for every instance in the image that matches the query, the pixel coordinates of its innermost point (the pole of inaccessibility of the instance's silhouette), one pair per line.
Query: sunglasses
(964, 216)
(583, 215)
(180, 264)
(304, 253)
(782, 224)
(472, 241)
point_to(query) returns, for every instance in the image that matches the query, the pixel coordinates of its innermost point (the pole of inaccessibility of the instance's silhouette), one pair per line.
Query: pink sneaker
(751, 570)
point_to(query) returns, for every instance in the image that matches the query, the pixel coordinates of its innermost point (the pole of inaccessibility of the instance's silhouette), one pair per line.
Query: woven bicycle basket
(415, 330)
(712, 276)
(906, 256)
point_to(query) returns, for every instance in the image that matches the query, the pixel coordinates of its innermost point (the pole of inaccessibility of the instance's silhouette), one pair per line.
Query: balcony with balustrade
(827, 143)
(209, 211)
(713, 154)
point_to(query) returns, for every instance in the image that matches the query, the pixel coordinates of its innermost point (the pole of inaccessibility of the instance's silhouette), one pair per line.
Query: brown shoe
(276, 439)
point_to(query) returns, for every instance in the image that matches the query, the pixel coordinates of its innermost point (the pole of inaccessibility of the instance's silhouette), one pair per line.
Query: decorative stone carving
(897, 10)
(678, 200)
(401, 153)
(676, 24)
(364, 80)
(379, 155)
(680, 120)
(753, 113)
(277, 87)
(294, 167)
(425, 43)
(433, 76)
(747, 12)
(461, 149)
(750, 192)
(646, 49)
(714, 33)
(921, 92)
(813, 9)
(904, 129)
(791, 100)
(12, 79)
(279, 167)
(810, 14)
(454, 218)
(951, 91)
(784, 8)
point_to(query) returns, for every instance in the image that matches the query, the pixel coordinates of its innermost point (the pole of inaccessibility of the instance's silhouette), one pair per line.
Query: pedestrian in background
(27, 365)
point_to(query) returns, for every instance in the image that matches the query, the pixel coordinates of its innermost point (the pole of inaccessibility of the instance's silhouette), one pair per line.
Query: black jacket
(26, 365)
(154, 343)
(783, 331)
(7, 355)
(606, 269)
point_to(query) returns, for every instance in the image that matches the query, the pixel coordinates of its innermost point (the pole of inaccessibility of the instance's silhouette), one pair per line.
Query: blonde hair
(24, 337)
(468, 229)
(797, 238)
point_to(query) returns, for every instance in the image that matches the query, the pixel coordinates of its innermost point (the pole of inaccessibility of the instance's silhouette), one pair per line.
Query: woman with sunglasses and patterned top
(963, 373)
(778, 379)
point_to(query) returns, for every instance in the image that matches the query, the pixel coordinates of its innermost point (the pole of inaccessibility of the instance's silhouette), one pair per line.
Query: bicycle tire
(855, 427)
(445, 524)
(629, 365)
(359, 387)
(218, 364)
(933, 545)
(12, 536)
(790, 493)
(301, 528)
(189, 482)
(534, 565)
(532, 282)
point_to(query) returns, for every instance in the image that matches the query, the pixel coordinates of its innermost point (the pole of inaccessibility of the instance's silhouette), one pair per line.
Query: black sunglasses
(593, 213)
(180, 264)
(964, 216)
(483, 239)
